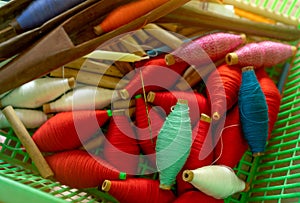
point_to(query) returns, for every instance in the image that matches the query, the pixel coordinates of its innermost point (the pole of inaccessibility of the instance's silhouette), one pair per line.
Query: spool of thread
(262, 54)
(68, 130)
(217, 181)
(83, 98)
(148, 122)
(121, 144)
(200, 133)
(146, 189)
(125, 14)
(37, 92)
(232, 145)
(253, 111)
(78, 169)
(30, 118)
(222, 87)
(152, 77)
(40, 11)
(272, 94)
(204, 49)
(197, 102)
(196, 197)
(173, 144)
(27, 142)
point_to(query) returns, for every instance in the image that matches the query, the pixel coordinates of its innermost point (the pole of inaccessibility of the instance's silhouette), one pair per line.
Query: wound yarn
(232, 145)
(253, 112)
(261, 54)
(173, 144)
(30, 118)
(68, 130)
(194, 196)
(83, 98)
(272, 94)
(120, 147)
(79, 169)
(200, 133)
(197, 102)
(37, 92)
(222, 87)
(204, 49)
(40, 11)
(217, 181)
(136, 190)
(147, 130)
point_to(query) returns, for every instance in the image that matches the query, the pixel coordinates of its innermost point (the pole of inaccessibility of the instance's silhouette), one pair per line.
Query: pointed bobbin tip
(98, 30)
(257, 154)
(244, 38)
(247, 68)
(247, 187)
(150, 97)
(71, 82)
(231, 58)
(1, 106)
(106, 185)
(205, 118)
(294, 50)
(165, 187)
(124, 94)
(182, 101)
(170, 59)
(187, 175)
(47, 108)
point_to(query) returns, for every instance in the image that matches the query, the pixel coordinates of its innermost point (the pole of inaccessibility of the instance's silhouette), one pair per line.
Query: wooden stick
(132, 46)
(26, 140)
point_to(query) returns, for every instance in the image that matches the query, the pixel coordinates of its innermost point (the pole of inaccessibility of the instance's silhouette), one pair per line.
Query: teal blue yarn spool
(173, 144)
(253, 112)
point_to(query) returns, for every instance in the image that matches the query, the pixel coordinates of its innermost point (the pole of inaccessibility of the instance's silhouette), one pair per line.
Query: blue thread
(283, 77)
(40, 11)
(253, 112)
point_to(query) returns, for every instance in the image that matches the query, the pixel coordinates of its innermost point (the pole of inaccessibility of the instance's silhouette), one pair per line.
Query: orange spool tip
(216, 116)
(170, 59)
(187, 176)
(106, 185)
(47, 108)
(71, 82)
(150, 97)
(231, 58)
(98, 30)
(124, 94)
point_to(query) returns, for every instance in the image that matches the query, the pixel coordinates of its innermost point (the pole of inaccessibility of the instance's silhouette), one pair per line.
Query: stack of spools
(191, 139)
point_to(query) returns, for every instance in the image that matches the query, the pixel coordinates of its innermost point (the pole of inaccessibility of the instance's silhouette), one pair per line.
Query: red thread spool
(120, 146)
(232, 145)
(156, 75)
(79, 169)
(272, 94)
(197, 197)
(197, 102)
(262, 54)
(138, 190)
(146, 134)
(201, 132)
(67, 130)
(204, 49)
(224, 79)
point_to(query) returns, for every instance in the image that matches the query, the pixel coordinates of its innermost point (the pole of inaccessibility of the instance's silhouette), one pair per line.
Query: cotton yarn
(217, 181)
(82, 98)
(136, 190)
(30, 118)
(232, 145)
(205, 49)
(196, 197)
(40, 11)
(121, 144)
(173, 144)
(37, 92)
(197, 102)
(222, 87)
(79, 169)
(67, 130)
(262, 54)
(253, 111)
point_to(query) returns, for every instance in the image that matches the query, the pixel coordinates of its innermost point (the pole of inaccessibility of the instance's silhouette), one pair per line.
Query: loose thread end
(150, 97)
(231, 58)
(98, 30)
(124, 94)
(170, 59)
(47, 108)
(106, 185)
(216, 116)
(188, 175)
(71, 82)
(205, 118)
(247, 68)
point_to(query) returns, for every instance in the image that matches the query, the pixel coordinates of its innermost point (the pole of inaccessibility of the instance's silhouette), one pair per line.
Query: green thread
(173, 144)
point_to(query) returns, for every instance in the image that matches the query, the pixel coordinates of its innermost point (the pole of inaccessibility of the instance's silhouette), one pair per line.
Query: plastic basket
(274, 177)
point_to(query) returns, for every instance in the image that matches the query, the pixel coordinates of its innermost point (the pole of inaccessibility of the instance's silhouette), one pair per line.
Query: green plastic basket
(274, 177)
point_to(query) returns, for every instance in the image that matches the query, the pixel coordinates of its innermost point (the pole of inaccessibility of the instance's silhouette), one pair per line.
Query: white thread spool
(215, 180)
(83, 98)
(37, 92)
(30, 118)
